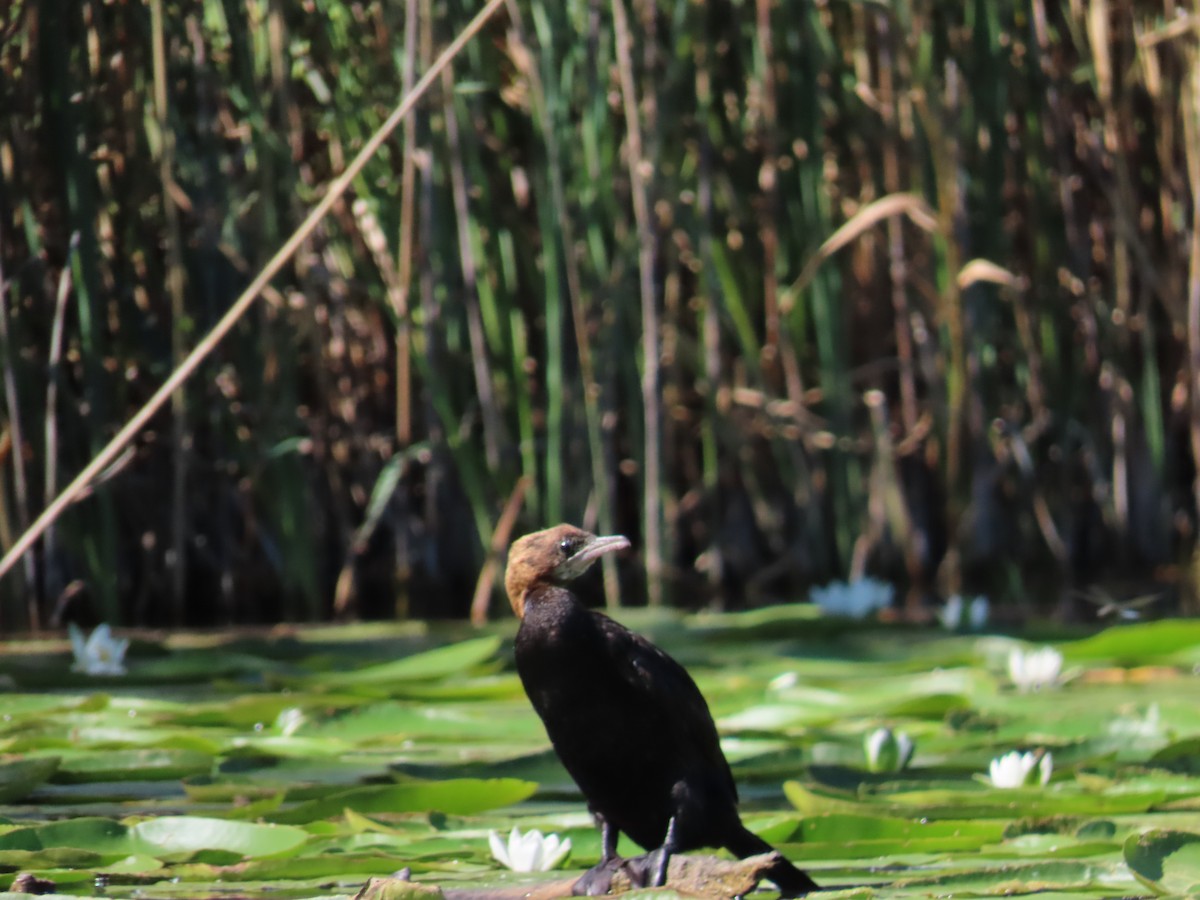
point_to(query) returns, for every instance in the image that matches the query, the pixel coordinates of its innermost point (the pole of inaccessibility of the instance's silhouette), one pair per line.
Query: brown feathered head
(554, 556)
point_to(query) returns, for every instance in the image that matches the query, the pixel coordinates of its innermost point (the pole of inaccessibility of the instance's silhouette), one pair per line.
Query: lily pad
(409, 763)
(93, 834)
(432, 664)
(1166, 861)
(19, 777)
(462, 796)
(190, 833)
(160, 764)
(1139, 644)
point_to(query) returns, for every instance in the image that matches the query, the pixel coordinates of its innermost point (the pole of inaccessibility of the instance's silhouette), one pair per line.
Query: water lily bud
(887, 751)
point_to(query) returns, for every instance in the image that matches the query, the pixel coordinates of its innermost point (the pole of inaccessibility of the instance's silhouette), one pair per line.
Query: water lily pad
(1025, 878)
(1183, 755)
(19, 777)
(189, 833)
(842, 827)
(327, 865)
(134, 864)
(414, 764)
(206, 666)
(1166, 861)
(93, 834)
(50, 858)
(296, 746)
(22, 706)
(462, 796)
(161, 764)
(391, 721)
(250, 710)
(1140, 644)
(978, 801)
(439, 663)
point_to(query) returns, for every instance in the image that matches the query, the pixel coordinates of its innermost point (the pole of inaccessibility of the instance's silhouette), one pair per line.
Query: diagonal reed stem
(244, 301)
(650, 378)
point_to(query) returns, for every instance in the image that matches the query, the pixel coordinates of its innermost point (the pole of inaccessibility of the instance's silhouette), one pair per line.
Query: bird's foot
(656, 862)
(647, 870)
(597, 880)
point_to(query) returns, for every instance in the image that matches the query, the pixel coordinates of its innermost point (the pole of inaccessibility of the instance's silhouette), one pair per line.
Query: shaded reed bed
(785, 291)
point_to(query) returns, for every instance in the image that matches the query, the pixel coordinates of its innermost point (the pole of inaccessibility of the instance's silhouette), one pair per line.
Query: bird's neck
(551, 607)
(546, 598)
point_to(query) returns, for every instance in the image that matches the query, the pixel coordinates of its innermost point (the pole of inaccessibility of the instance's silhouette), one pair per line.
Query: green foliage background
(784, 290)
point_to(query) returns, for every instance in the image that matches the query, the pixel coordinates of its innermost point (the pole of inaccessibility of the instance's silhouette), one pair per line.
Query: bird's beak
(583, 558)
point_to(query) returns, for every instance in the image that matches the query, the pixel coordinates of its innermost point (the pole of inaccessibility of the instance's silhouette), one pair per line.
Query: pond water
(301, 763)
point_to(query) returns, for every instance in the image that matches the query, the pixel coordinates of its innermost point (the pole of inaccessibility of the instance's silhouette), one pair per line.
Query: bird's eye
(566, 545)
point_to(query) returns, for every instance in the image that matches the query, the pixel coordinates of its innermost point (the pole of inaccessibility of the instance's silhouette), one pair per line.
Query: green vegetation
(302, 764)
(783, 290)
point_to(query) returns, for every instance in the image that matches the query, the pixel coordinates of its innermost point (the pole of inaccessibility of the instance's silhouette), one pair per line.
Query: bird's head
(554, 556)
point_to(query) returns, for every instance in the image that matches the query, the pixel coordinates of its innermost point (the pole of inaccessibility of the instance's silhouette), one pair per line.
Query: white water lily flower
(529, 852)
(1140, 728)
(1033, 670)
(950, 615)
(977, 610)
(98, 654)
(855, 600)
(887, 750)
(783, 682)
(1016, 769)
(289, 720)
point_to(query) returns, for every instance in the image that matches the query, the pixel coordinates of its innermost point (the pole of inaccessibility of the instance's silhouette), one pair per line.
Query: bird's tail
(792, 882)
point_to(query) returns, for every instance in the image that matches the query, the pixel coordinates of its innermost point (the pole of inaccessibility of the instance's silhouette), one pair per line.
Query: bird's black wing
(656, 680)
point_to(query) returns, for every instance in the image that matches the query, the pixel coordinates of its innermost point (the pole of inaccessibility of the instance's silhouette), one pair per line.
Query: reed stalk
(15, 438)
(180, 439)
(743, 281)
(113, 448)
(651, 402)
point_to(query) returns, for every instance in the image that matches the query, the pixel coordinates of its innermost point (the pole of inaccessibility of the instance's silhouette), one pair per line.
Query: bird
(627, 721)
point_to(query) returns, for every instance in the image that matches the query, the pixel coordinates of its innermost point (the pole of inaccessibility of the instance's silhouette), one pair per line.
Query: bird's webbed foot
(650, 870)
(653, 867)
(636, 872)
(647, 870)
(662, 856)
(597, 880)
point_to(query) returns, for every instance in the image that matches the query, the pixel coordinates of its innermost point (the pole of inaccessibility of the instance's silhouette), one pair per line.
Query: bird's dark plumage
(627, 721)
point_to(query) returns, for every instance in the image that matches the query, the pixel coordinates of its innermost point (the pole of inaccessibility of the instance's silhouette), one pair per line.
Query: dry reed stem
(652, 521)
(1190, 108)
(862, 221)
(501, 536)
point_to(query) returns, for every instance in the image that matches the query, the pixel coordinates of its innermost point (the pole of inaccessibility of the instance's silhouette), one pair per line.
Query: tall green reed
(653, 257)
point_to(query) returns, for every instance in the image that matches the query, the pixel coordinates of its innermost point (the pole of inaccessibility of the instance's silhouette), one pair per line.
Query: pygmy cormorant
(627, 721)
